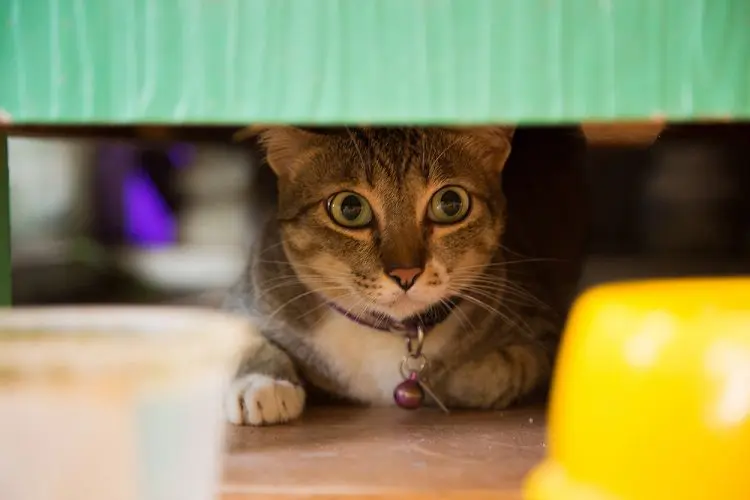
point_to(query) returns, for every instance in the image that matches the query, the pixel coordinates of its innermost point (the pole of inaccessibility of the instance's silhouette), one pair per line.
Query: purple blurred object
(148, 221)
(130, 208)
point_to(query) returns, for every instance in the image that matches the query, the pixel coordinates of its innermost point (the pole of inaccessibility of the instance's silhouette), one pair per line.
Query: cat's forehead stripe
(393, 153)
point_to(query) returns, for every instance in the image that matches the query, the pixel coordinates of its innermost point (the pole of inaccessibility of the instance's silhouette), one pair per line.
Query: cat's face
(389, 220)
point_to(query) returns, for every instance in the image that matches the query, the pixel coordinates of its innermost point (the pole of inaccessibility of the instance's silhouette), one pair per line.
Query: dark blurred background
(166, 216)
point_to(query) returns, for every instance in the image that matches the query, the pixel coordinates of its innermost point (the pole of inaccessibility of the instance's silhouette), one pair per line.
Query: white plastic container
(115, 403)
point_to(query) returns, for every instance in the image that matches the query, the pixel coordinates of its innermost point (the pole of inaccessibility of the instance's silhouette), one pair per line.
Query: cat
(475, 233)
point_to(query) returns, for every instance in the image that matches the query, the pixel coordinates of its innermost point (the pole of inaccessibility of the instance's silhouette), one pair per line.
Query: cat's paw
(256, 399)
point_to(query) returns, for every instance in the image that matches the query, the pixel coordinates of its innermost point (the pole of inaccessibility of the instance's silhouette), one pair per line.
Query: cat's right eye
(449, 205)
(349, 210)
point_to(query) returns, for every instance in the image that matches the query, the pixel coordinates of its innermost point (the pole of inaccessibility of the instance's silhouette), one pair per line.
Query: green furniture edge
(373, 61)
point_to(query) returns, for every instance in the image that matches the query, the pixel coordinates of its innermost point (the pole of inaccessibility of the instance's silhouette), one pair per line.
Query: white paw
(262, 400)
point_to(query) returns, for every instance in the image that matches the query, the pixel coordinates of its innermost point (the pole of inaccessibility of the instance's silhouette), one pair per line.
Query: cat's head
(389, 220)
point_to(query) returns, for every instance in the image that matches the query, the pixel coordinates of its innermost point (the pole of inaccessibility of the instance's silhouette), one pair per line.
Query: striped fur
(515, 279)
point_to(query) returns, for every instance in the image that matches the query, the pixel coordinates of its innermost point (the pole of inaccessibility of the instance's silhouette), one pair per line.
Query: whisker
(325, 304)
(353, 306)
(356, 146)
(507, 298)
(501, 285)
(510, 251)
(493, 310)
(461, 316)
(265, 280)
(519, 321)
(306, 266)
(437, 158)
(421, 142)
(492, 265)
(270, 247)
(478, 302)
(297, 297)
(503, 289)
(279, 282)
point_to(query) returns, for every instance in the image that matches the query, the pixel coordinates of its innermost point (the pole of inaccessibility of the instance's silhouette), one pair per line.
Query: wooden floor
(345, 453)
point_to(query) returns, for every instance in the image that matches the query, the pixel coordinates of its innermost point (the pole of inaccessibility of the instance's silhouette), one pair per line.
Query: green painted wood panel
(374, 61)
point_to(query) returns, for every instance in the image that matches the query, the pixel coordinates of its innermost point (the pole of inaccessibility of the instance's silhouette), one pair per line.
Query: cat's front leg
(266, 389)
(498, 378)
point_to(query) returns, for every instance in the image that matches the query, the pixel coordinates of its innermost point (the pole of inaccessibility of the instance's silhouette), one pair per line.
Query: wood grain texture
(373, 61)
(348, 453)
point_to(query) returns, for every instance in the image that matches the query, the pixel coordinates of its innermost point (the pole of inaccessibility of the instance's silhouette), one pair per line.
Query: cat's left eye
(349, 210)
(449, 205)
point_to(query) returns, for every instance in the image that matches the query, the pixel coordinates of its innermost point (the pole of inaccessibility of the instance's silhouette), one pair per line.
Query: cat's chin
(400, 309)
(405, 307)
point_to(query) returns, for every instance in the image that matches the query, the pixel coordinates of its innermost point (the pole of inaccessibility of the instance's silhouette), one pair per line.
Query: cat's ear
(285, 146)
(491, 143)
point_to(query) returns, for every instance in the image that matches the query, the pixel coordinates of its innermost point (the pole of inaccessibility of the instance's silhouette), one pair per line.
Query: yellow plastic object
(651, 397)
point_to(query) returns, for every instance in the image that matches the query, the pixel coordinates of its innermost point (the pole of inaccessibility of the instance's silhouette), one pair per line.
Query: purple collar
(427, 320)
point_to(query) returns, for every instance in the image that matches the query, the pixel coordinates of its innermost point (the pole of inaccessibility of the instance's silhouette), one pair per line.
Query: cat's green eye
(449, 205)
(349, 210)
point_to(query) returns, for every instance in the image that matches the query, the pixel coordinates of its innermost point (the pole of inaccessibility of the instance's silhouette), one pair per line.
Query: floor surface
(345, 453)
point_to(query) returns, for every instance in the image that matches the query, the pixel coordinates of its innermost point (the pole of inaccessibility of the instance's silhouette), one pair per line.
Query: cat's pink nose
(405, 277)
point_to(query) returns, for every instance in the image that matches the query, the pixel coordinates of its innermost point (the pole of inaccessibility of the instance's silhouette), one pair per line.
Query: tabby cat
(473, 233)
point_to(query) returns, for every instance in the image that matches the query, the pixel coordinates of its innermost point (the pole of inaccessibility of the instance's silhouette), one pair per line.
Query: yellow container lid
(651, 395)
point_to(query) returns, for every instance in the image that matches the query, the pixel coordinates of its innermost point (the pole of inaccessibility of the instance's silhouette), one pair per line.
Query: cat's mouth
(405, 306)
(427, 319)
